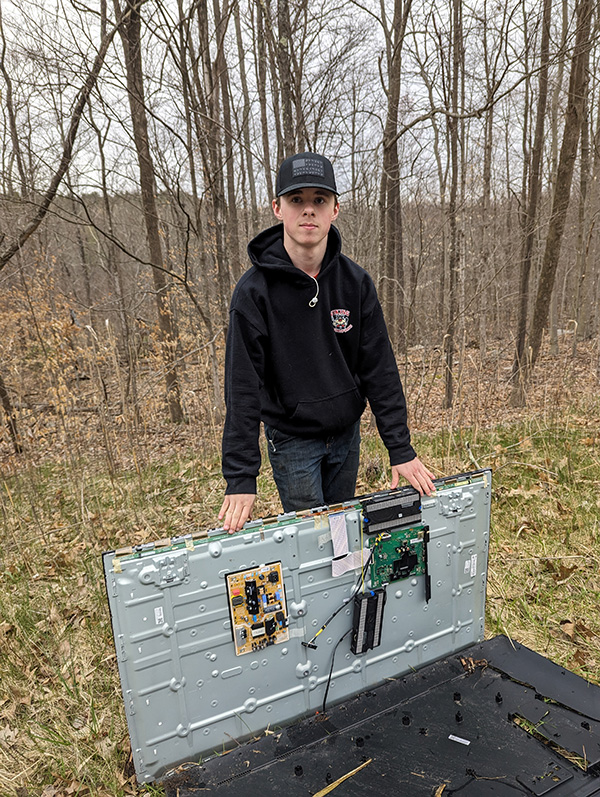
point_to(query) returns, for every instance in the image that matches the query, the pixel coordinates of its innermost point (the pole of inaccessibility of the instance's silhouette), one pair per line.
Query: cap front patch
(309, 166)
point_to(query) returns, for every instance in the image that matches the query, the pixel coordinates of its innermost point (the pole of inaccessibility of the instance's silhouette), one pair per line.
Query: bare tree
(248, 155)
(13, 243)
(284, 62)
(562, 191)
(390, 209)
(130, 31)
(455, 176)
(222, 16)
(530, 212)
(261, 62)
(11, 418)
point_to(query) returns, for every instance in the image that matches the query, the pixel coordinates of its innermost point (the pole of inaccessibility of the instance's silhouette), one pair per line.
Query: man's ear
(277, 209)
(336, 211)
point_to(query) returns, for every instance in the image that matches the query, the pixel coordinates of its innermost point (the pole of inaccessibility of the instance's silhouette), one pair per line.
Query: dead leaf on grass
(564, 572)
(524, 491)
(64, 649)
(572, 628)
(584, 630)
(560, 572)
(580, 658)
(75, 787)
(8, 736)
(79, 723)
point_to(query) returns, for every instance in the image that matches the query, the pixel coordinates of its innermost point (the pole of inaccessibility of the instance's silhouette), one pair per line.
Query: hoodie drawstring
(315, 298)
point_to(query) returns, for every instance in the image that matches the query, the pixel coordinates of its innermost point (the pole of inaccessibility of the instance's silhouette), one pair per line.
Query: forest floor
(89, 484)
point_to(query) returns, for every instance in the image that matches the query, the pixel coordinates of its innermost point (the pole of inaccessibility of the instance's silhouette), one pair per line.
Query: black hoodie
(304, 354)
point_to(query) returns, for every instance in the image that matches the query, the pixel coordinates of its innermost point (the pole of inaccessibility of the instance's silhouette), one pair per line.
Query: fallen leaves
(582, 641)
(524, 492)
(73, 789)
(570, 628)
(8, 736)
(560, 572)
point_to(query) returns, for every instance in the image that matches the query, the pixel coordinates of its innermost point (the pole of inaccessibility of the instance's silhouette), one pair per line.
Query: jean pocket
(275, 438)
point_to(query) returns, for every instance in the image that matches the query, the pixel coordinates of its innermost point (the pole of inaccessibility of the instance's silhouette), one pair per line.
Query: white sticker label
(467, 567)
(473, 565)
(159, 615)
(459, 739)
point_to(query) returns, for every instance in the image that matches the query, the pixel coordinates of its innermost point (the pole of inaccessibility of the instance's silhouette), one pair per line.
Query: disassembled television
(225, 637)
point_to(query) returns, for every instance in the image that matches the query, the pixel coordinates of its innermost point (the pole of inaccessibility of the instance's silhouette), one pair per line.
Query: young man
(307, 346)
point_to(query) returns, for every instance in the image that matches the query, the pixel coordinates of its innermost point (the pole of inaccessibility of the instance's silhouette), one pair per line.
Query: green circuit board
(397, 555)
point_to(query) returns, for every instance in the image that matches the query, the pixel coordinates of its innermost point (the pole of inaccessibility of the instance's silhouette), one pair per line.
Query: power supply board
(257, 608)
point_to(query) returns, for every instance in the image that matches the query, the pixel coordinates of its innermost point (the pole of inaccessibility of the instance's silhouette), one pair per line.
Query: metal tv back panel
(196, 681)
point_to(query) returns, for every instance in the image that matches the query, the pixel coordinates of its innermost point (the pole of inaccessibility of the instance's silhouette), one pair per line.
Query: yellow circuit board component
(257, 607)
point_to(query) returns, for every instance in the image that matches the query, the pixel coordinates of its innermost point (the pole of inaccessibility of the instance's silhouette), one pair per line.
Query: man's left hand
(416, 474)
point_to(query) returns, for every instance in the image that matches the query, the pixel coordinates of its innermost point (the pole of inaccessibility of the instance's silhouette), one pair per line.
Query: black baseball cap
(305, 170)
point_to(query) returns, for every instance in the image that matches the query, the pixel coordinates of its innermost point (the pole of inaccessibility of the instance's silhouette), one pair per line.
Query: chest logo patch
(341, 320)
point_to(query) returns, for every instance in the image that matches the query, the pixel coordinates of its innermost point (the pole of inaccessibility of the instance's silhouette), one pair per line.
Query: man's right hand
(236, 509)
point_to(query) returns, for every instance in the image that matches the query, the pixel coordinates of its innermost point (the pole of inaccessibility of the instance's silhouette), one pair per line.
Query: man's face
(307, 214)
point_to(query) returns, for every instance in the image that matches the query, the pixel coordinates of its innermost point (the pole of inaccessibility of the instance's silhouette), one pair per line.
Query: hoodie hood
(267, 251)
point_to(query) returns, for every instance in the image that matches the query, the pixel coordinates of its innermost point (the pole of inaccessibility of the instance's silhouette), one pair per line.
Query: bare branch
(10, 249)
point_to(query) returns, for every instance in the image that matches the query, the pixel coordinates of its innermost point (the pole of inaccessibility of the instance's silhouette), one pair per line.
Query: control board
(399, 554)
(222, 636)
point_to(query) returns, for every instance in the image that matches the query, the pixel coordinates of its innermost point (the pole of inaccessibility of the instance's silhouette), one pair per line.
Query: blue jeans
(312, 471)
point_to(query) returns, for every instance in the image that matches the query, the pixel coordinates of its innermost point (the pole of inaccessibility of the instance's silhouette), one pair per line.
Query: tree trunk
(11, 418)
(573, 117)
(586, 318)
(213, 158)
(556, 113)
(232, 234)
(10, 110)
(246, 117)
(530, 215)
(131, 37)
(206, 284)
(486, 210)
(284, 45)
(454, 260)
(261, 71)
(582, 231)
(390, 210)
